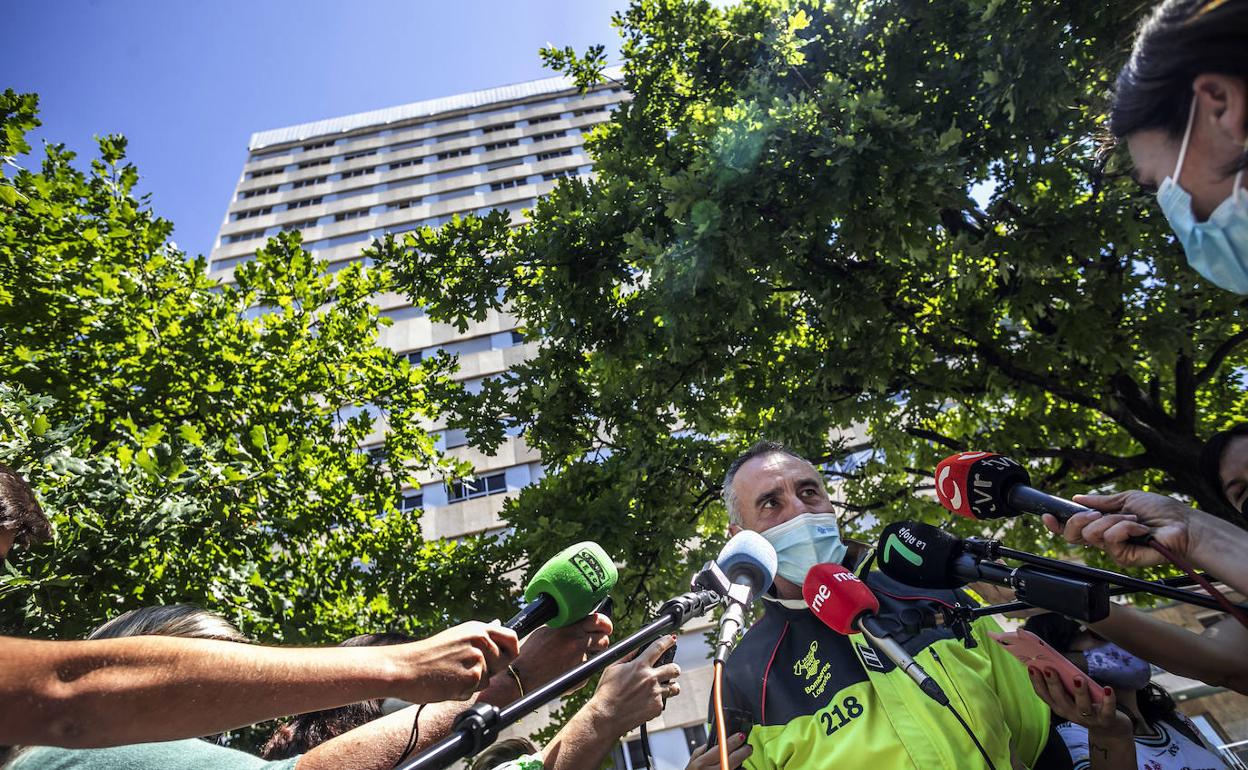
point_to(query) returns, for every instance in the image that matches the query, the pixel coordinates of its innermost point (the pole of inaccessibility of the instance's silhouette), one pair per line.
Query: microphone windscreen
(837, 597)
(748, 553)
(919, 554)
(976, 484)
(577, 578)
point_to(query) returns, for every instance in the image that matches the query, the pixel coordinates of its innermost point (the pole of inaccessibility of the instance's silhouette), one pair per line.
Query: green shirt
(191, 754)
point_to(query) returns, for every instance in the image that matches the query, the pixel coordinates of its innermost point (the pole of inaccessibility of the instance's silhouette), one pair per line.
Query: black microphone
(921, 555)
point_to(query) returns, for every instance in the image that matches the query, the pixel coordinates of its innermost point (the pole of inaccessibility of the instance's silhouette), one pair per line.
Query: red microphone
(983, 485)
(846, 605)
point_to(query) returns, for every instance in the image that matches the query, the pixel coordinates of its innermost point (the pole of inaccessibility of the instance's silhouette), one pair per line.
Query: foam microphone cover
(749, 554)
(919, 554)
(976, 484)
(578, 578)
(838, 597)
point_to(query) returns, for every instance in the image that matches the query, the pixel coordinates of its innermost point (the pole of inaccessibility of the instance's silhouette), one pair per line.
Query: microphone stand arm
(479, 726)
(993, 549)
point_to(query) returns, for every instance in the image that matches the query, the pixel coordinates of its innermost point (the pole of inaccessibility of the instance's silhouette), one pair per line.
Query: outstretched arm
(112, 692)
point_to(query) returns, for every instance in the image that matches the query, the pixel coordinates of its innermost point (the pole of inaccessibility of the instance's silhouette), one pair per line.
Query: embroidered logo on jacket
(814, 671)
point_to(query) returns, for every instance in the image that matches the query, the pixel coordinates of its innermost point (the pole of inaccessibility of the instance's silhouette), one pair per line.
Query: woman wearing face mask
(1101, 739)
(1181, 105)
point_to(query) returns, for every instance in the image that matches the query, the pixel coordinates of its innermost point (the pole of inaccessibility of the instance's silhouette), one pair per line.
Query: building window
(467, 489)
(228, 262)
(454, 153)
(304, 203)
(407, 204)
(1209, 620)
(402, 313)
(544, 119)
(360, 154)
(309, 182)
(267, 172)
(517, 338)
(257, 192)
(299, 225)
(318, 145)
(695, 736)
(590, 110)
(314, 163)
(253, 213)
(406, 163)
(496, 165)
(548, 136)
(566, 173)
(343, 216)
(507, 184)
(457, 437)
(357, 172)
(500, 145)
(240, 237)
(541, 156)
(499, 127)
(414, 357)
(411, 501)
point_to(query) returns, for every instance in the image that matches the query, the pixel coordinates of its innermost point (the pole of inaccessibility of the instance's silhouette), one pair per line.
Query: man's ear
(1225, 99)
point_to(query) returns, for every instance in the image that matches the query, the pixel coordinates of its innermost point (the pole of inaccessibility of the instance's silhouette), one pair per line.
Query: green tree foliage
(782, 239)
(200, 442)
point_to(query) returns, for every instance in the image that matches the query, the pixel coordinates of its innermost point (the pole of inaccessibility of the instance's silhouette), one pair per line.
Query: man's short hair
(760, 448)
(184, 620)
(20, 512)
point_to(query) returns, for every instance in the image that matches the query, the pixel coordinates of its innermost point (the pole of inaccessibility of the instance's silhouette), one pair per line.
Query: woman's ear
(733, 529)
(1224, 99)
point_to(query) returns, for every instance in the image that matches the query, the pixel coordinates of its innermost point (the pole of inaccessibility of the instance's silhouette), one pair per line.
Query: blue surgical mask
(804, 541)
(1218, 247)
(1111, 665)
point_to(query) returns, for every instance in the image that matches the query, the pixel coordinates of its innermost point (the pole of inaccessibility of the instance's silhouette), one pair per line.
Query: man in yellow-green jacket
(809, 697)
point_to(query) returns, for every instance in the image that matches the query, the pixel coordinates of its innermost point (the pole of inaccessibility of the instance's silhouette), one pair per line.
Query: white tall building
(345, 181)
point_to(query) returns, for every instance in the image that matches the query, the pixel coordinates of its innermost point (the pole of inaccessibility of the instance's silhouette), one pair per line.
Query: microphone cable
(721, 731)
(1200, 579)
(982, 751)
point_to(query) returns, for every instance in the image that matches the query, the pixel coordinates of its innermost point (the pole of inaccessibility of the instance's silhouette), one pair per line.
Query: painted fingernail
(1108, 690)
(1031, 671)
(1078, 682)
(1048, 674)
(739, 736)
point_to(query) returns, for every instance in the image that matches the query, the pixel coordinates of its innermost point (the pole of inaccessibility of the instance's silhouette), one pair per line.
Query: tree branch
(1219, 355)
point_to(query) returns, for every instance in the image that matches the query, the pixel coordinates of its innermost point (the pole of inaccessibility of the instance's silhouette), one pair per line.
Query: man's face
(6, 542)
(773, 488)
(1233, 472)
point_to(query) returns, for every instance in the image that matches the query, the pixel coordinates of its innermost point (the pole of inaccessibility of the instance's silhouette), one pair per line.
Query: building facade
(344, 181)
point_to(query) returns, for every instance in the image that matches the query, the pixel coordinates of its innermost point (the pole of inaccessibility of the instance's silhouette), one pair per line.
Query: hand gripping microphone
(566, 588)
(846, 605)
(745, 568)
(921, 555)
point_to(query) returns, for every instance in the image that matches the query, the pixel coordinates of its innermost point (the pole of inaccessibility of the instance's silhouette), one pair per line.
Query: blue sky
(188, 81)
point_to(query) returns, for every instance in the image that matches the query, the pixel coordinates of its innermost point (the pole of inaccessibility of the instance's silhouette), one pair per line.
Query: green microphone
(566, 589)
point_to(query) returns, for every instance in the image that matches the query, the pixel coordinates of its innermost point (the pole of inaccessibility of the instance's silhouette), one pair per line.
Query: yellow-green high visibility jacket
(817, 699)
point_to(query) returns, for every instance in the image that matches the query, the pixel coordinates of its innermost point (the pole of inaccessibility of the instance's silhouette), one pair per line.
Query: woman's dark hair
(1179, 40)
(1211, 453)
(305, 732)
(1059, 632)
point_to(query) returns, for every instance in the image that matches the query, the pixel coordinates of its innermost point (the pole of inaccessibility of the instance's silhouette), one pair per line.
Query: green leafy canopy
(199, 442)
(878, 231)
